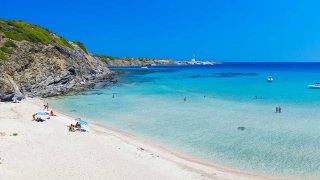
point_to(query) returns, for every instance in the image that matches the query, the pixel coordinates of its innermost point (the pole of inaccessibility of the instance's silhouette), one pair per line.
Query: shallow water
(220, 98)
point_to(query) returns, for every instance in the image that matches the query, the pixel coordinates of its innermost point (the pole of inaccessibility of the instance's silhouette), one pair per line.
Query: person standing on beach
(45, 107)
(185, 99)
(14, 99)
(280, 109)
(277, 109)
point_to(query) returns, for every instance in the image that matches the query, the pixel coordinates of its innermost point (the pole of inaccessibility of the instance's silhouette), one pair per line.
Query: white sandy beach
(46, 150)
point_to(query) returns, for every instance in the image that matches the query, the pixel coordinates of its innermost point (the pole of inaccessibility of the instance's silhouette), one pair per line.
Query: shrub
(127, 59)
(6, 50)
(10, 43)
(104, 58)
(63, 42)
(2, 56)
(81, 46)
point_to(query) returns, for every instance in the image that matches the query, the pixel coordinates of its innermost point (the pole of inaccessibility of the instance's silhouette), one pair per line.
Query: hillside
(36, 62)
(123, 62)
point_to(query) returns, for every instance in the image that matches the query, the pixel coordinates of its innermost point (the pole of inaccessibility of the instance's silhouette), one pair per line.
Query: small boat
(269, 79)
(314, 86)
(144, 67)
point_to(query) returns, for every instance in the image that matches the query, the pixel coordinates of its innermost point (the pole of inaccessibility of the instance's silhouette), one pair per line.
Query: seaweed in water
(92, 93)
(241, 128)
(73, 110)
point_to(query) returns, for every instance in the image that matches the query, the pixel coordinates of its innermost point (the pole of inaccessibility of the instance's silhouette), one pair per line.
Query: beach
(46, 150)
(229, 116)
(163, 90)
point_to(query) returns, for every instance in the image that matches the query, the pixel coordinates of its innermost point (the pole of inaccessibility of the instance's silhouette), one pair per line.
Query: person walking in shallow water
(185, 99)
(279, 109)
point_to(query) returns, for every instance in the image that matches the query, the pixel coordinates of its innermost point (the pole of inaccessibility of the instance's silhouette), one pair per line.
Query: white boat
(144, 67)
(314, 86)
(269, 79)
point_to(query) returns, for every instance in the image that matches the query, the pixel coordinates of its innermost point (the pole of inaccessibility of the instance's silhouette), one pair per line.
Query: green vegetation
(141, 59)
(6, 50)
(81, 46)
(2, 56)
(10, 43)
(19, 30)
(14, 134)
(63, 42)
(111, 58)
(105, 58)
(127, 59)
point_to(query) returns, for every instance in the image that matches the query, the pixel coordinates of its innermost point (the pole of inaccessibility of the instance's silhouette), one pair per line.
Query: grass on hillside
(10, 43)
(105, 58)
(81, 46)
(6, 50)
(19, 30)
(2, 56)
(111, 58)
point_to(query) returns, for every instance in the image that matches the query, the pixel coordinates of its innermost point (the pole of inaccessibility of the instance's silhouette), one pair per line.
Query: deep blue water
(219, 99)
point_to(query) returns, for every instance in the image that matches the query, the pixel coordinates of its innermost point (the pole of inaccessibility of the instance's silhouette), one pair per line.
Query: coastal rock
(6, 90)
(126, 62)
(43, 70)
(136, 62)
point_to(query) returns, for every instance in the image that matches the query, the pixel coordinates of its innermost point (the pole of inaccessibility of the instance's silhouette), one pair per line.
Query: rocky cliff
(36, 62)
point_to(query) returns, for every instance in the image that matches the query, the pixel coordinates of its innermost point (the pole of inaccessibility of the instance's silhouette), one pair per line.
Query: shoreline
(157, 158)
(183, 157)
(135, 140)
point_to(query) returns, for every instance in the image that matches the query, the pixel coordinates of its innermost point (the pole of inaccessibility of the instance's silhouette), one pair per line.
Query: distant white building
(193, 60)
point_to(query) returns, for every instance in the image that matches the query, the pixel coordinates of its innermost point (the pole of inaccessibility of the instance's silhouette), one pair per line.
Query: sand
(46, 150)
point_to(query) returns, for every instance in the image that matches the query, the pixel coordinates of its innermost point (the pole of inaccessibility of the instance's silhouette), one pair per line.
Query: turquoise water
(220, 98)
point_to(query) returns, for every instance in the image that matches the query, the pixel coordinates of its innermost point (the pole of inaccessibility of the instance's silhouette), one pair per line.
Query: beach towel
(42, 113)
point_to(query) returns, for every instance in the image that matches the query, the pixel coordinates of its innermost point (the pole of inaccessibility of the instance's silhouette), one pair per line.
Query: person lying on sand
(39, 119)
(34, 116)
(71, 128)
(78, 125)
(51, 113)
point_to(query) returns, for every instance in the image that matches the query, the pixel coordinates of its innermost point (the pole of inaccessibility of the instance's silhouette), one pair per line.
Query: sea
(223, 114)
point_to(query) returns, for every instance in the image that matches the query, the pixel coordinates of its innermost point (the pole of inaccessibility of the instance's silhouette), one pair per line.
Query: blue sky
(225, 30)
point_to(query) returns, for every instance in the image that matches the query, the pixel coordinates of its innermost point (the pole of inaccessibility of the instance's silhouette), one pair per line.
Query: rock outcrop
(133, 62)
(126, 62)
(136, 62)
(36, 69)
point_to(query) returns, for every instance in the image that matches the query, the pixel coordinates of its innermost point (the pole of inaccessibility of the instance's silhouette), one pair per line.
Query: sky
(224, 30)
